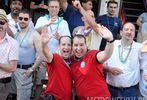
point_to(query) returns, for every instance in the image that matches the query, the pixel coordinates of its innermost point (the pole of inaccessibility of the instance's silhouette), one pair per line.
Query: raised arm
(39, 29)
(44, 40)
(64, 4)
(93, 24)
(106, 54)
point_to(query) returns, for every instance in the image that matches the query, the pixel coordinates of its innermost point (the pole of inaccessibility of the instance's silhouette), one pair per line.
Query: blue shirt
(73, 18)
(112, 23)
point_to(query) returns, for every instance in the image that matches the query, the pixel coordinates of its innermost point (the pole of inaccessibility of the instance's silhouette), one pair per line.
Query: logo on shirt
(82, 65)
(115, 24)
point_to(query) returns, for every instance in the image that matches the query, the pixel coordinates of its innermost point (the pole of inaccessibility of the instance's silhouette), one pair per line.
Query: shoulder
(35, 34)
(137, 45)
(12, 41)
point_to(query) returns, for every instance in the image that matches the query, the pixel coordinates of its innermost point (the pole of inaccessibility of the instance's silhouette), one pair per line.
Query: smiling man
(59, 79)
(29, 56)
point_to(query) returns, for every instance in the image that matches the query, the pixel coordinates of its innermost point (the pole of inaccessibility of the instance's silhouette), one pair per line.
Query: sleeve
(40, 22)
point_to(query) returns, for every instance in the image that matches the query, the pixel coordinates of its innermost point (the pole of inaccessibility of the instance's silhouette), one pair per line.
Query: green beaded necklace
(123, 60)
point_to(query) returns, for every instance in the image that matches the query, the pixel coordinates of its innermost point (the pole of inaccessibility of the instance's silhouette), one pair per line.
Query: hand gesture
(115, 71)
(45, 37)
(105, 33)
(76, 4)
(51, 21)
(56, 35)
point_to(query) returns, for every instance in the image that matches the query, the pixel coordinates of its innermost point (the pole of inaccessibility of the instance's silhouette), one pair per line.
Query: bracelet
(111, 41)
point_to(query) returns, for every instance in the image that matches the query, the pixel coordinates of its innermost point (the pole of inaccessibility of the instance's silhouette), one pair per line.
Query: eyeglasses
(2, 22)
(25, 19)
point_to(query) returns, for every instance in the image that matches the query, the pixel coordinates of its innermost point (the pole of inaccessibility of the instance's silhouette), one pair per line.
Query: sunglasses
(25, 19)
(2, 22)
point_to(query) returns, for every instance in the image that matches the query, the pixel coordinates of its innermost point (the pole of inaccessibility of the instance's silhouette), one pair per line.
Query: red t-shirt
(59, 79)
(88, 78)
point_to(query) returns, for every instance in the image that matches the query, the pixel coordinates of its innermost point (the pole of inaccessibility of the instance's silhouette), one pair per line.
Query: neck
(24, 30)
(110, 15)
(53, 16)
(126, 43)
(2, 35)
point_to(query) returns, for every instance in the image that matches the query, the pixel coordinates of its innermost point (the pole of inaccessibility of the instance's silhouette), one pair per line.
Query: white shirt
(130, 69)
(60, 26)
(14, 26)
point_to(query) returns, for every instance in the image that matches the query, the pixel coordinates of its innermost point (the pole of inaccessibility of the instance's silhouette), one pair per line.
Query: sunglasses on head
(2, 22)
(25, 19)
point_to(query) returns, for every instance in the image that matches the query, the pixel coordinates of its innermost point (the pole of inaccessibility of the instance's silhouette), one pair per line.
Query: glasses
(2, 22)
(25, 18)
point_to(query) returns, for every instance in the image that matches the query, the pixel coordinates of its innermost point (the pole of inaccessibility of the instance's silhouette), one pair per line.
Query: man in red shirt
(86, 67)
(59, 77)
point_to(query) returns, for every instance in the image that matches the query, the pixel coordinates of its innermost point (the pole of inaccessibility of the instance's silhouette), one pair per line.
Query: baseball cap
(3, 15)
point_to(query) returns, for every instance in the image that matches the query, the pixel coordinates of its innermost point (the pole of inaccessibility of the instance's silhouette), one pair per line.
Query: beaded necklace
(24, 37)
(123, 59)
(108, 23)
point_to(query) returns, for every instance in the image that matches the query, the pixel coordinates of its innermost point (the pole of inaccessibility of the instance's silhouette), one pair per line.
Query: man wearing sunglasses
(8, 56)
(29, 56)
(15, 6)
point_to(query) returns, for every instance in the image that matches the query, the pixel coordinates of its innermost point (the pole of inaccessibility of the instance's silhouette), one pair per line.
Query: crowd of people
(82, 56)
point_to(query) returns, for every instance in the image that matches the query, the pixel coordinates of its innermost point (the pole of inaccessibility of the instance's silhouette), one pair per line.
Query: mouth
(66, 51)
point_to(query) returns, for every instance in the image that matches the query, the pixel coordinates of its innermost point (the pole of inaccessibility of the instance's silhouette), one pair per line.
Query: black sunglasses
(25, 19)
(2, 22)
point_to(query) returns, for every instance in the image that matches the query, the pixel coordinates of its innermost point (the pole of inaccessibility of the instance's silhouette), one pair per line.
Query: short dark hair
(80, 36)
(63, 37)
(111, 1)
(85, 1)
(26, 11)
(16, 0)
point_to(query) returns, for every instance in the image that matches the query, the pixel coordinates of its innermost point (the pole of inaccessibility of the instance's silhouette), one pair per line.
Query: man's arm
(37, 46)
(64, 4)
(106, 54)
(89, 19)
(44, 40)
(48, 24)
(10, 67)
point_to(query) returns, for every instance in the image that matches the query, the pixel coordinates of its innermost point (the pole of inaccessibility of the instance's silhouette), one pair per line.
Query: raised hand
(105, 33)
(76, 4)
(51, 21)
(56, 35)
(45, 37)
